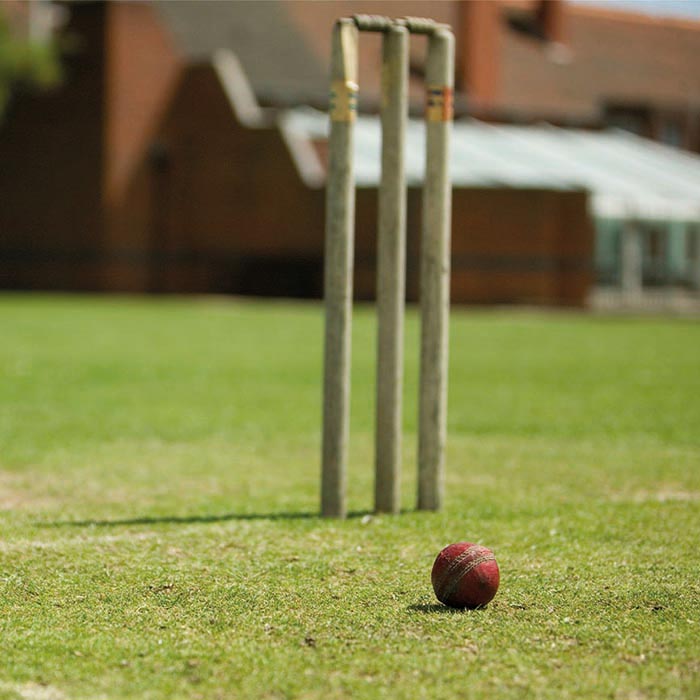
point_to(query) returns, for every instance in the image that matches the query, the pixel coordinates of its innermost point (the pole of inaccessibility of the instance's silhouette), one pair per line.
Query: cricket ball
(465, 575)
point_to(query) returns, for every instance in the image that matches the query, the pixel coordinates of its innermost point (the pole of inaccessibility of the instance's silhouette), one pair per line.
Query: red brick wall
(524, 246)
(142, 68)
(478, 37)
(51, 155)
(141, 75)
(508, 246)
(227, 198)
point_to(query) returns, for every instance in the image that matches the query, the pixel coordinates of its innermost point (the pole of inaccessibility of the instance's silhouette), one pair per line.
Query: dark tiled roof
(284, 45)
(613, 56)
(274, 54)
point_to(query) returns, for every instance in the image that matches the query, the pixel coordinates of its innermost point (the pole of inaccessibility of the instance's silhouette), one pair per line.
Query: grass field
(159, 490)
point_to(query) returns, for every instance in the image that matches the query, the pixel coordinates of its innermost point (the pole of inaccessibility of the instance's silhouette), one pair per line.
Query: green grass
(159, 490)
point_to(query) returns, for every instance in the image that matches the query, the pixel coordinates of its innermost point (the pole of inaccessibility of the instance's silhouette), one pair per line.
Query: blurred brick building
(161, 164)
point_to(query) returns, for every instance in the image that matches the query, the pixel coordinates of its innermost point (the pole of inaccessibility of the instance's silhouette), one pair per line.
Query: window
(655, 255)
(607, 251)
(671, 133)
(628, 121)
(692, 242)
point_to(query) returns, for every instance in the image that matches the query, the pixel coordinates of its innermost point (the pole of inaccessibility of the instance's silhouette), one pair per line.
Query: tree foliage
(25, 64)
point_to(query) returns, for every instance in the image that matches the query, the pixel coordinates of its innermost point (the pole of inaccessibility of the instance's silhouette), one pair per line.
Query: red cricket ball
(465, 575)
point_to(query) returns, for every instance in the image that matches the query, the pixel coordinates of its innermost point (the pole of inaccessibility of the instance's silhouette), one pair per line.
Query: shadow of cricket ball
(465, 575)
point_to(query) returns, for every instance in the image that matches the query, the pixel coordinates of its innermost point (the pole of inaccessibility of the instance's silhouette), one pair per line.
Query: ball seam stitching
(454, 566)
(451, 586)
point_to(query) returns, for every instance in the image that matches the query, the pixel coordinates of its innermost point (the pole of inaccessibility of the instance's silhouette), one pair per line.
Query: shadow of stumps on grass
(193, 519)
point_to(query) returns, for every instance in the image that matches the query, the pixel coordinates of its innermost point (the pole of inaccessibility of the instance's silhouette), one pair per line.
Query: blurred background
(181, 147)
